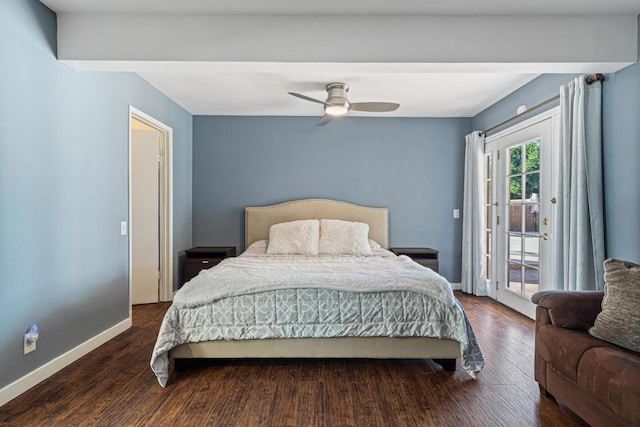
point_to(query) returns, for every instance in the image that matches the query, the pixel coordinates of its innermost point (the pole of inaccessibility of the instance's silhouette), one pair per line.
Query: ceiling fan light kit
(338, 105)
(336, 110)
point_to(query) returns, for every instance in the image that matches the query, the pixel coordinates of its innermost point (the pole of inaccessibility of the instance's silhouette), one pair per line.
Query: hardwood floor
(114, 386)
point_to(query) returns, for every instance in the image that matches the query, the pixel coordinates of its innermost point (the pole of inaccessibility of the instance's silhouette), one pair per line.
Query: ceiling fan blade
(376, 107)
(306, 98)
(324, 120)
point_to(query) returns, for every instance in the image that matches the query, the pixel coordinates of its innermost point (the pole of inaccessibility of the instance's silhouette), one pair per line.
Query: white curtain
(578, 231)
(473, 217)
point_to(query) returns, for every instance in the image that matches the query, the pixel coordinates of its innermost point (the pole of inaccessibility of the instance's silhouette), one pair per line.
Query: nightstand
(201, 258)
(423, 256)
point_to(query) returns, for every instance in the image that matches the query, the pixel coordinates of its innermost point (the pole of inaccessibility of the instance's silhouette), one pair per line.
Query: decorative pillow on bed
(294, 238)
(375, 246)
(619, 320)
(344, 237)
(256, 248)
(259, 244)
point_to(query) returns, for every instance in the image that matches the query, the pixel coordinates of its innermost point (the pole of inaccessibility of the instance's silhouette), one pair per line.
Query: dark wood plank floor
(114, 386)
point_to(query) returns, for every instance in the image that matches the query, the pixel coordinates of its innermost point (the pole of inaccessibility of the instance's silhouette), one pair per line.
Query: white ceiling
(210, 89)
(419, 95)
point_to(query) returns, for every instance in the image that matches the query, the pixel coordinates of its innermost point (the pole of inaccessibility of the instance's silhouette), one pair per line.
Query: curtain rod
(588, 80)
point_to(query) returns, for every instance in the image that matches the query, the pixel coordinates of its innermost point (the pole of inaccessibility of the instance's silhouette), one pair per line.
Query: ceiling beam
(85, 39)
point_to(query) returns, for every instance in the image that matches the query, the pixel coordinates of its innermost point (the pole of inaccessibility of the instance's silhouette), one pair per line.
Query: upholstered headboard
(258, 220)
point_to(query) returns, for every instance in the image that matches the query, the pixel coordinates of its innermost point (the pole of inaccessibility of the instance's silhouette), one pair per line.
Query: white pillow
(256, 249)
(259, 244)
(294, 238)
(344, 237)
(375, 246)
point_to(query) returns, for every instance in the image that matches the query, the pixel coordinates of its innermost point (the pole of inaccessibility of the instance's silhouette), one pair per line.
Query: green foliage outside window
(531, 163)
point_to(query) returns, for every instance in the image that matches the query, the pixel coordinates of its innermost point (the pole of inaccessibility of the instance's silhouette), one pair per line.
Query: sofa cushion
(570, 309)
(612, 376)
(619, 320)
(562, 348)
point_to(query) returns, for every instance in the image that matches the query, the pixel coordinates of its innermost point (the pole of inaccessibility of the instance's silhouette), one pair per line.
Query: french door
(519, 210)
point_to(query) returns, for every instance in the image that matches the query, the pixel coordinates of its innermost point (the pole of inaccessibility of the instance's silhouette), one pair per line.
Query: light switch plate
(123, 228)
(456, 213)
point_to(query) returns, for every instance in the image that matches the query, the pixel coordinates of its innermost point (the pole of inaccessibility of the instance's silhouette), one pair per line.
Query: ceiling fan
(338, 105)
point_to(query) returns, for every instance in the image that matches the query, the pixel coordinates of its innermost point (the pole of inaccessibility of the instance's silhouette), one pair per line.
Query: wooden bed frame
(258, 220)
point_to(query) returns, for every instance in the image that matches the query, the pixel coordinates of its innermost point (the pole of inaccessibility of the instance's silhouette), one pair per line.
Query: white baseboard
(456, 286)
(40, 374)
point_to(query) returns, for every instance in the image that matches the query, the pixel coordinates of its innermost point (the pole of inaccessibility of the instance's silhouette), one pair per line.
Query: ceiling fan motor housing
(337, 96)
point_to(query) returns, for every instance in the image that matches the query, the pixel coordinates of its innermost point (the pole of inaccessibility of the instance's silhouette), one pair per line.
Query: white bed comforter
(252, 274)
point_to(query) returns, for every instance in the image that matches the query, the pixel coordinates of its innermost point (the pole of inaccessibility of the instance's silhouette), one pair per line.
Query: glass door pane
(523, 256)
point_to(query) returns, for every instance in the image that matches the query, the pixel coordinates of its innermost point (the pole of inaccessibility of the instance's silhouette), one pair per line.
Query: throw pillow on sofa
(619, 320)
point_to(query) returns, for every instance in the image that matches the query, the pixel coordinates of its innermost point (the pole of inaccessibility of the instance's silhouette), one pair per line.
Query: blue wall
(64, 190)
(621, 148)
(411, 166)
(621, 128)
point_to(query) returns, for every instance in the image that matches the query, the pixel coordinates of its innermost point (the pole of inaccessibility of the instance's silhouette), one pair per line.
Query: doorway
(520, 167)
(150, 209)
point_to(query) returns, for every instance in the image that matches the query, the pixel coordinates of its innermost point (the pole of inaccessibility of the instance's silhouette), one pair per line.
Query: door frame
(552, 114)
(165, 284)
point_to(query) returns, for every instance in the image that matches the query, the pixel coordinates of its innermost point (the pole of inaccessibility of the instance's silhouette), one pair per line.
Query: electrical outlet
(30, 337)
(29, 345)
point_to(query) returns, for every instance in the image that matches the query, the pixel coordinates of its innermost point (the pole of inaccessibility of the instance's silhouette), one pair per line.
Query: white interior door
(519, 213)
(145, 240)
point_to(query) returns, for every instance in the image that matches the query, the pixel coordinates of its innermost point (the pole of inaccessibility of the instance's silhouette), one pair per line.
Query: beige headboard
(258, 220)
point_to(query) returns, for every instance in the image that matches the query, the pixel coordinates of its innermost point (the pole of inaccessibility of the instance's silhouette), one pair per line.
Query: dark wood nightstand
(423, 256)
(203, 257)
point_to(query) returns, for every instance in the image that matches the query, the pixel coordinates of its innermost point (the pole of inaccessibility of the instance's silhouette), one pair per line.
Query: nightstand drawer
(424, 256)
(429, 263)
(194, 260)
(193, 266)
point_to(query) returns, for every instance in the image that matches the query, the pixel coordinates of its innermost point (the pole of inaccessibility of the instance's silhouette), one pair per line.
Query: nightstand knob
(205, 261)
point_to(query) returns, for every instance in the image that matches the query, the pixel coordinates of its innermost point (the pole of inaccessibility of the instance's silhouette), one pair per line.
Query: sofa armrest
(570, 309)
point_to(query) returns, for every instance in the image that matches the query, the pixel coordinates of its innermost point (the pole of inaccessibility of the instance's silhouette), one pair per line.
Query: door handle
(544, 236)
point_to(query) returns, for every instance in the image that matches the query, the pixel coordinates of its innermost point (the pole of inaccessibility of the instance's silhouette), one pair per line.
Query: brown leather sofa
(598, 381)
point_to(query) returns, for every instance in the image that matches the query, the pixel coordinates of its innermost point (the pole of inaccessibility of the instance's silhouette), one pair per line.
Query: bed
(271, 306)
